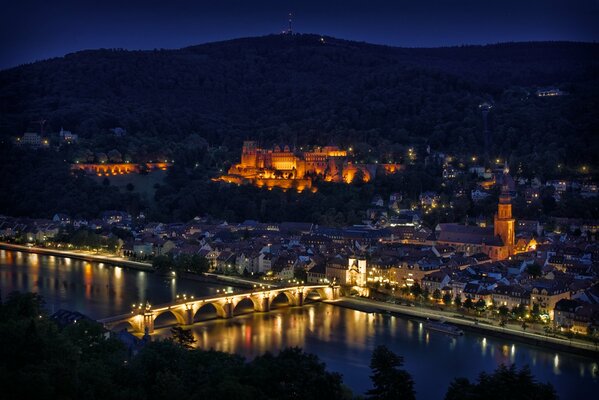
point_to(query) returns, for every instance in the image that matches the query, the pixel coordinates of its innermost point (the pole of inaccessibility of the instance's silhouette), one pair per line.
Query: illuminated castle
(289, 169)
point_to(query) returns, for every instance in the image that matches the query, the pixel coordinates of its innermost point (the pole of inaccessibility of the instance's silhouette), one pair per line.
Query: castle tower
(505, 224)
(249, 154)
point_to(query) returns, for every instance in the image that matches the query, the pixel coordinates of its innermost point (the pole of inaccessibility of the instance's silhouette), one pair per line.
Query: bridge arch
(290, 298)
(314, 294)
(175, 313)
(123, 325)
(219, 310)
(239, 304)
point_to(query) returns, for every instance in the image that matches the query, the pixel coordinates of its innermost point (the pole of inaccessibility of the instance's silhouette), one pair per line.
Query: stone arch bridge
(142, 319)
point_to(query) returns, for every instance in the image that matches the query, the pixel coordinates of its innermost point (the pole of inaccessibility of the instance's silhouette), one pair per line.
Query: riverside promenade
(80, 255)
(482, 326)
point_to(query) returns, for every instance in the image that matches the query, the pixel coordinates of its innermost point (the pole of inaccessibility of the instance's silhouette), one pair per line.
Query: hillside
(300, 89)
(306, 90)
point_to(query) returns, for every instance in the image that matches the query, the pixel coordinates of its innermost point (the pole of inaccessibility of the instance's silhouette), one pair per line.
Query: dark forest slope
(282, 88)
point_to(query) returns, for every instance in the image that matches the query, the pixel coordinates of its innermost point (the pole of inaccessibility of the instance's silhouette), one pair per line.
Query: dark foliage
(37, 183)
(299, 90)
(389, 380)
(39, 360)
(504, 383)
(183, 337)
(197, 105)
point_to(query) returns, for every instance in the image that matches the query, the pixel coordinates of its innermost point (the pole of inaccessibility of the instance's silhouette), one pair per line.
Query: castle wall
(266, 167)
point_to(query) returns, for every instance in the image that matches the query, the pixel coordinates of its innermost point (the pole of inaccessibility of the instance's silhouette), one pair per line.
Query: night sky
(31, 30)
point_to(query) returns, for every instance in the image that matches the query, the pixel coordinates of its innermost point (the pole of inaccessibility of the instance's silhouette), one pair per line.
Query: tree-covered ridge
(301, 90)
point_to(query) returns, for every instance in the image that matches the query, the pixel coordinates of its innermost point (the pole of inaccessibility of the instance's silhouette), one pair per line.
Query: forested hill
(310, 89)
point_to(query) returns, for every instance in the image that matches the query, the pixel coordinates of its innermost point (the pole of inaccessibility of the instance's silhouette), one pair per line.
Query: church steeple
(505, 224)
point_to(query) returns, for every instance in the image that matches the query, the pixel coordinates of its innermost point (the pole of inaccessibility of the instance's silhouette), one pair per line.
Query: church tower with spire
(505, 224)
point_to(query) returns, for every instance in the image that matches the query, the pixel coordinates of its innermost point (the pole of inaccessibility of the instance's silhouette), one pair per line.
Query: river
(341, 337)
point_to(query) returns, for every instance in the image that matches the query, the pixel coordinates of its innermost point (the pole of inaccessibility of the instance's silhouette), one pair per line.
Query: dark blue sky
(37, 29)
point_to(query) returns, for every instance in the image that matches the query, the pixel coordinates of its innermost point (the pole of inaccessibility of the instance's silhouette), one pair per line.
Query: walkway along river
(343, 338)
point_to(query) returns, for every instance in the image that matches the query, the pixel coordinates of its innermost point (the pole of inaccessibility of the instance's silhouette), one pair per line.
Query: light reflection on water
(91, 288)
(342, 338)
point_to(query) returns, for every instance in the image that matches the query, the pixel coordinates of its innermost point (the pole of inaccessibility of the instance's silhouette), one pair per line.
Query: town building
(353, 273)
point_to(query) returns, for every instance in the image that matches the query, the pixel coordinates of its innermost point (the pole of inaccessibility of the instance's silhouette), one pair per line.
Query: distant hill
(312, 89)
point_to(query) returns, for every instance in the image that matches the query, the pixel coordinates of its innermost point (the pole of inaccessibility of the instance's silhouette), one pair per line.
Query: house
(395, 200)
(576, 316)
(532, 195)
(586, 319)
(67, 136)
(560, 186)
(589, 190)
(283, 268)
(115, 217)
(435, 281)
(511, 296)
(44, 232)
(66, 317)
(476, 292)
(429, 199)
(265, 261)
(143, 249)
(477, 170)
(549, 92)
(412, 270)
(225, 261)
(377, 201)
(547, 293)
(530, 226)
(62, 219)
(564, 311)
(33, 140)
(317, 274)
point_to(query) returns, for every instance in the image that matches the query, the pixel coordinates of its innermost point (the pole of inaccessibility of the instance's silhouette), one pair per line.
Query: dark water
(342, 338)
(95, 289)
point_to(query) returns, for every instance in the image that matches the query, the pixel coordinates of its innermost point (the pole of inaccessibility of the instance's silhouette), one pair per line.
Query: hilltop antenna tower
(485, 109)
(41, 122)
(290, 21)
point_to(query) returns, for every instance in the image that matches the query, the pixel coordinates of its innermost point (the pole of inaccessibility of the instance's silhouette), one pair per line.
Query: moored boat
(442, 326)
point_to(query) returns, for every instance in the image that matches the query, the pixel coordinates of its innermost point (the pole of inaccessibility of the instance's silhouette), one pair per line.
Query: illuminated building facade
(101, 169)
(289, 169)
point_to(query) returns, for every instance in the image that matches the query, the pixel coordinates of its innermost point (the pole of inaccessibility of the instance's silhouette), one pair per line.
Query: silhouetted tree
(389, 380)
(183, 337)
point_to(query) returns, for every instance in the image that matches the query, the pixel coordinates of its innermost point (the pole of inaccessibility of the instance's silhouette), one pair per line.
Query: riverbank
(372, 306)
(123, 262)
(79, 255)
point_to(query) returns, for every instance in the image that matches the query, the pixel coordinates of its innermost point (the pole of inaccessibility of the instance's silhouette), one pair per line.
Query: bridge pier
(189, 312)
(335, 292)
(228, 309)
(148, 322)
(263, 304)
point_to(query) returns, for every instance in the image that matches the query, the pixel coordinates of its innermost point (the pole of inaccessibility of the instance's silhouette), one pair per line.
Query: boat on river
(442, 326)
